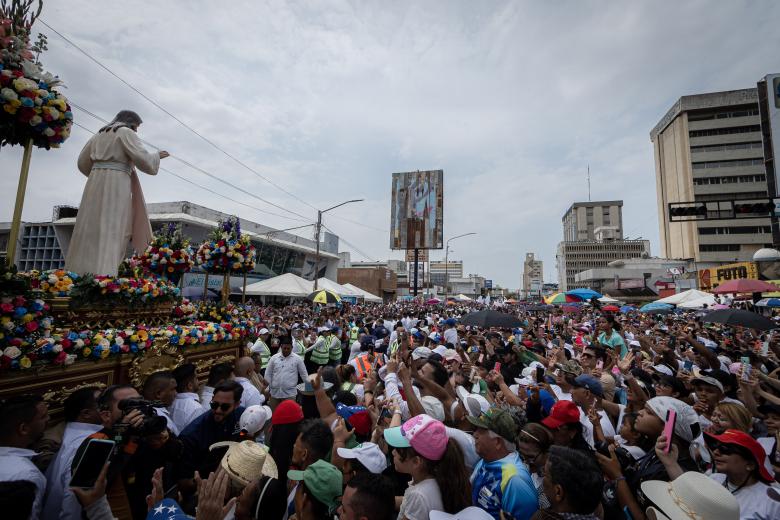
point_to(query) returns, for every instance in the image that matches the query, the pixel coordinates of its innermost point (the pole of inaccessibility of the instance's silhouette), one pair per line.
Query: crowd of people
(379, 412)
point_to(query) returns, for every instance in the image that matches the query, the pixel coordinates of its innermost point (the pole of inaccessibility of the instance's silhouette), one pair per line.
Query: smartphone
(95, 456)
(540, 375)
(671, 418)
(600, 364)
(746, 368)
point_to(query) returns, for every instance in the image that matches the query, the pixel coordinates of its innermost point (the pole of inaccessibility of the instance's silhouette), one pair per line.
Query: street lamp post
(317, 236)
(447, 264)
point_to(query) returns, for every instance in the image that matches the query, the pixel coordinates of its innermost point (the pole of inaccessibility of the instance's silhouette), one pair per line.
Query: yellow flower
(25, 362)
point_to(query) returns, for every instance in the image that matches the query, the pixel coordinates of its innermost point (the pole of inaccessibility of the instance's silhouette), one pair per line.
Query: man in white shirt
(161, 386)
(245, 367)
(23, 420)
(186, 406)
(82, 420)
(284, 371)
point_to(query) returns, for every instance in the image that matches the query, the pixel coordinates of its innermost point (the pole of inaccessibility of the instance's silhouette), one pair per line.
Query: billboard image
(416, 214)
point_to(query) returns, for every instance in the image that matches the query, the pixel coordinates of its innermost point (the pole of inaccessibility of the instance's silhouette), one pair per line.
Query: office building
(583, 219)
(44, 245)
(533, 277)
(708, 147)
(574, 257)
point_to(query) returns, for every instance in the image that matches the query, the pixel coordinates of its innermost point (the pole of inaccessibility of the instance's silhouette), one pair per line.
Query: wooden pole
(206, 286)
(16, 223)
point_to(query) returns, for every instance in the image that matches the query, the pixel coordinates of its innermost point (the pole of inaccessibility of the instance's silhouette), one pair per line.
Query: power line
(208, 189)
(201, 170)
(182, 123)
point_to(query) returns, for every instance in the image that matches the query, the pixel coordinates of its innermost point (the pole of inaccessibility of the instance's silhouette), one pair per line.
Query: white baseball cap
(368, 454)
(254, 418)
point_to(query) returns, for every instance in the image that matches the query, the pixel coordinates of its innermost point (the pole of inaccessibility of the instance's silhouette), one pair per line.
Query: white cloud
(512, 99)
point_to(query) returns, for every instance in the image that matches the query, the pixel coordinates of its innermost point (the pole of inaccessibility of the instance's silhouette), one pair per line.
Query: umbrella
(584, 294)
(627, 308)
(745, 285)
(490, 318)
(611, 308)
(655, 305)
(740, 317)
(323, 296)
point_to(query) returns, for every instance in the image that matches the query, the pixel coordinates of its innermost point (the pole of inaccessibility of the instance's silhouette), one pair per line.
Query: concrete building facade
(708, 147)
(582, 219)
(575, 257)
(533, 277)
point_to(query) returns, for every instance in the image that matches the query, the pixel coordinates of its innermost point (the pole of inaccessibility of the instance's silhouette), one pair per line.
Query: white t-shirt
(756, 502)
(420, 499)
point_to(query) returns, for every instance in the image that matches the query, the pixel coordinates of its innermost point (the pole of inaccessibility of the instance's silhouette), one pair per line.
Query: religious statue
(112, 211)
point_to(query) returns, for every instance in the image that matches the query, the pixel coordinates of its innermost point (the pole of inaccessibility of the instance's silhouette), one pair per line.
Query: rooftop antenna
(589, 183)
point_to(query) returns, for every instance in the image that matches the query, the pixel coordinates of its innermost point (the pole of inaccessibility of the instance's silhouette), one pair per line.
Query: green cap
(323, 480)
(497, 421)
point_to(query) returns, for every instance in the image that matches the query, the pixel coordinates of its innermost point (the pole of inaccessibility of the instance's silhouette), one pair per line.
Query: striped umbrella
(324, 297)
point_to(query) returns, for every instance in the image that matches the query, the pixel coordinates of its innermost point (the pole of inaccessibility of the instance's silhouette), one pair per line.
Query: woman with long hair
(112, 210)
(422, 449)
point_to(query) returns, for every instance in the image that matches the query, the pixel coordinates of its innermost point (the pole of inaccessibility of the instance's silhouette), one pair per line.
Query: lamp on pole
(317, 235)
(447, 264)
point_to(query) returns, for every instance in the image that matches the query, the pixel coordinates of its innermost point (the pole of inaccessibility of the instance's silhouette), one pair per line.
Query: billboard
(416, 212)
(714, 276)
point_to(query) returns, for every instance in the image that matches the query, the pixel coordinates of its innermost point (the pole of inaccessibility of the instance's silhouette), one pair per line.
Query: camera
(152, 423)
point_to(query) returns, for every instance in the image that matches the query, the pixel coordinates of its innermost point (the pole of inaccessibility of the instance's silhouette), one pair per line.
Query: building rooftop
(726, 98)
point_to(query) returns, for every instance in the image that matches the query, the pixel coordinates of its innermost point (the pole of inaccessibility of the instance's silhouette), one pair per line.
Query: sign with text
(714, 276)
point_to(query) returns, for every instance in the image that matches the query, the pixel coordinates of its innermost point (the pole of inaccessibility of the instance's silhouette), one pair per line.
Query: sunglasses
(222, 406)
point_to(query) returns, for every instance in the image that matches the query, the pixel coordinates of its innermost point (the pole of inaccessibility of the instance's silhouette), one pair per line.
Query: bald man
(244, 369)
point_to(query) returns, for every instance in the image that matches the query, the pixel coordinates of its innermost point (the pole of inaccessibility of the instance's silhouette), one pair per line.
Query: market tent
(687, 296)
(341, 290)
(286, 284)
(369, 297)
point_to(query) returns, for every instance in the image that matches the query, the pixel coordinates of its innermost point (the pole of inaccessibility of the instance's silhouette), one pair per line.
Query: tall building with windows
(533, 276)
(582, 219)
(708, 147)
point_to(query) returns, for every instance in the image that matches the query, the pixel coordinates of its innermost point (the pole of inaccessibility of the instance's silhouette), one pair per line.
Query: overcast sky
(326, 99)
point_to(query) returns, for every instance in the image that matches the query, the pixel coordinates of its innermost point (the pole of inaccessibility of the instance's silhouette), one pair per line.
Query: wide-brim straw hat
(692, 496)
(247, 461)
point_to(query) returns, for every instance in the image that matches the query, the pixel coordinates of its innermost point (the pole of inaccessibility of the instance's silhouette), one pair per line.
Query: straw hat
(246, 461)
(692, 495)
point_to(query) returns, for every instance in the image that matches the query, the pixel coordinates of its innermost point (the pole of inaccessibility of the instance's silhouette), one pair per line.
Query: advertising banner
(416, 213)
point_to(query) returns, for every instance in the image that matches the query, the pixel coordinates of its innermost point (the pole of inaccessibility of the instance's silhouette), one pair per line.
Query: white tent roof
(369, 297)
(686, 296)
(341, 290)
(283, 285)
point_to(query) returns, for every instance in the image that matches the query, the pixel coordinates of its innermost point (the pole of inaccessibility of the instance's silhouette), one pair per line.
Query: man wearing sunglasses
(219, 424)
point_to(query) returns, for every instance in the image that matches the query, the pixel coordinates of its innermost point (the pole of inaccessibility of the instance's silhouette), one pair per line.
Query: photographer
(142, 440)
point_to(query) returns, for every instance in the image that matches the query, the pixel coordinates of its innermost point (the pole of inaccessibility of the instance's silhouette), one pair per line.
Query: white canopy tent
(341, 290)
(369, 297)
(687, 296)
(287, 284)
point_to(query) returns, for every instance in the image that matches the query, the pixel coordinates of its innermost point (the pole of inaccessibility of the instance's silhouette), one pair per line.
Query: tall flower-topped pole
(33, 113)
(226, 251)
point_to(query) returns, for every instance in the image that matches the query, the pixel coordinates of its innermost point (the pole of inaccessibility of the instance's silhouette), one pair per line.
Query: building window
(725, 131)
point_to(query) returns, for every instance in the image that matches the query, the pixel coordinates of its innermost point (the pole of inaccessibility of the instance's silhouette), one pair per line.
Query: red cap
(744, 440)
(361, 421)
(562, 412)
(288, 412)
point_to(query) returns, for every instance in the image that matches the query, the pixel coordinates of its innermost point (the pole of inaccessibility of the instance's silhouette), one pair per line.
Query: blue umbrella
(655, 305)
(583, 294)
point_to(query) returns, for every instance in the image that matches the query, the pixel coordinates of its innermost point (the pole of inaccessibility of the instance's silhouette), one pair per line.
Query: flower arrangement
(114, 291)
(55, 282)
(169, 255)
(31, 107)
(226, 250)
(69, 346)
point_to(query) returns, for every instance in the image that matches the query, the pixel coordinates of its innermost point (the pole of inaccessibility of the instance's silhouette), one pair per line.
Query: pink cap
(426, 435)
